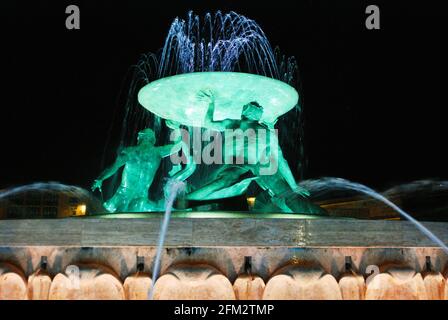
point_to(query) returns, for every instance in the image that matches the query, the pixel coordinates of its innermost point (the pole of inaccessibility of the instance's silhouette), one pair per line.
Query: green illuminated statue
(233, 180)
(221, 101)
(140, 165)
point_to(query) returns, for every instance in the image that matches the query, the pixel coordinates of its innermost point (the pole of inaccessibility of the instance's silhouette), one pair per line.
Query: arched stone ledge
(193, 282)
(13, 284)
(95, 282)
(195, 274)
(295, 282)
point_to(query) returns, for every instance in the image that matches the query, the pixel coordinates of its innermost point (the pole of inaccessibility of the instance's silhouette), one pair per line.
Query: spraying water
(11, 195)
(418, 188)
(319, 185)
(44, 186)
(172, 189)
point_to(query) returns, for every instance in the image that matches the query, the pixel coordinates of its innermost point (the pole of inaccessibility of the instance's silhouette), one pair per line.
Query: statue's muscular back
(141, 165)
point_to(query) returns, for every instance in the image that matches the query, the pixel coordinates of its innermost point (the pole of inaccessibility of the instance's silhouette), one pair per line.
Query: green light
(214, 214)
(175, 98)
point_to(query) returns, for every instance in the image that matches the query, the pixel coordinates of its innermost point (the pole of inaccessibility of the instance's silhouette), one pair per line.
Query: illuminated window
(81, 210)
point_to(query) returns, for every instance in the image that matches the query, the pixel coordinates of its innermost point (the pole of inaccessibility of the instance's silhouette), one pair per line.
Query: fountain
(209, 205)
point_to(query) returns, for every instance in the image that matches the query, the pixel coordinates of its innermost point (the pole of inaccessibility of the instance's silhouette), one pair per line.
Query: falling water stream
(315, 186)
(172, 189)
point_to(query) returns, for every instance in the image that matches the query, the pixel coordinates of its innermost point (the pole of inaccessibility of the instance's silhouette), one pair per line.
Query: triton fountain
(215, 114)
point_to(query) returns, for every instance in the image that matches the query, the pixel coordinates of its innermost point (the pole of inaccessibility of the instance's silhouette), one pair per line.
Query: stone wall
(223, 273)
(233, 259)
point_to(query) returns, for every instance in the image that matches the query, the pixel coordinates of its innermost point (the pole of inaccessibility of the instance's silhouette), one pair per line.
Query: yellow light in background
(81, 210)
(251, 201)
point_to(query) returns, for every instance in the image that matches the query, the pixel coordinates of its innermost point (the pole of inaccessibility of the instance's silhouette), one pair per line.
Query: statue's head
(252, 111)
(146, 135)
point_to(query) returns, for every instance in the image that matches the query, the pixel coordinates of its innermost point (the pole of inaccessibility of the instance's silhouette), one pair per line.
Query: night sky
(374, 100)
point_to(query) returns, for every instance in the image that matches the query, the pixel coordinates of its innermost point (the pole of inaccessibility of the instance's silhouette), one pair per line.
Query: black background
(374, 100)
(165, 308)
